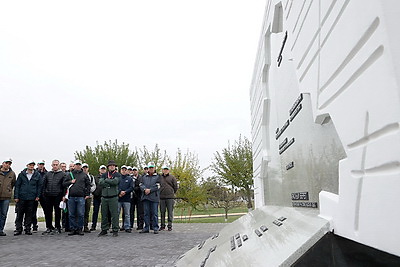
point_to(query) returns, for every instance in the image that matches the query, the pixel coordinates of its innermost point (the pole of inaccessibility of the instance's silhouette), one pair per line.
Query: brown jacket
(169, 186)
(7, 183)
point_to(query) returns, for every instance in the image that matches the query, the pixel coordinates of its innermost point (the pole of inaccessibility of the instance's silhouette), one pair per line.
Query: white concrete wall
(346, 55)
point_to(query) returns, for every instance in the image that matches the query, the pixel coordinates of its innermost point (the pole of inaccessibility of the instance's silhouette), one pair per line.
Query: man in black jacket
(78, 188)
(52, 192)
(26, 193)
(97, 197)
(42, 171)
(136, 202)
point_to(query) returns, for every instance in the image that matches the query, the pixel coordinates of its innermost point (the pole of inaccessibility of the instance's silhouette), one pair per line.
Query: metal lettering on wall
(290, 166)
(300, 196)
(305, 204)
(280, 52)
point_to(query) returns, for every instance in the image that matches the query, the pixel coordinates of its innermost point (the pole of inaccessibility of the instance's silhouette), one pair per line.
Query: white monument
(325, 107)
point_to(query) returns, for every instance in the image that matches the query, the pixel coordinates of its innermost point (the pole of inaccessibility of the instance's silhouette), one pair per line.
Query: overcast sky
(176, 73)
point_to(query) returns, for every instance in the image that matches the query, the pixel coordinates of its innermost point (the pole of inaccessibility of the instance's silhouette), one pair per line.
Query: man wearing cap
(88, 201)
(26, 193)
(150, 186)
(52, 192)
(97, 197)
(125, 189)
(78, 186)
(168, 189)
(42, 171)
(109, 199)
(7, 182)
(136, 202)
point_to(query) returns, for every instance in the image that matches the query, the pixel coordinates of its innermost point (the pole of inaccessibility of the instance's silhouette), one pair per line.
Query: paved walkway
(128, 249)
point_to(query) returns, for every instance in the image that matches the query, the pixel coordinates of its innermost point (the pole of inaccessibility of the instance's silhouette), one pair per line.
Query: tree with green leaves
(221, 196)
(159, 157)
(187, 171)
(102, 153)
(234, 165)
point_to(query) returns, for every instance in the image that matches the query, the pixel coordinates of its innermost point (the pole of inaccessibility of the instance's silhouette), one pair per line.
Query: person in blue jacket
(150, 186)
(125, 189)
(27, 191)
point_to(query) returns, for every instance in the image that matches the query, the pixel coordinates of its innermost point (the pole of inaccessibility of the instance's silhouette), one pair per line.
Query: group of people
(69, 193)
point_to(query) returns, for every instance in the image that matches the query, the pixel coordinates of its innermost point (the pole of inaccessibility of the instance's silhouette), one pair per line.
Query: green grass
(184, 213)
(178, 211)
(208, 220)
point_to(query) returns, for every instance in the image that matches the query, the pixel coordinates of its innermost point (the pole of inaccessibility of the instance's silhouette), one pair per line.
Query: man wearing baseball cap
(42, 171)
(168, 189)
(27, 191)
(88, 201)
(136, 202)
(109, 199)
(97, 197)
(78, 185)
(150, 186)
(7, 182)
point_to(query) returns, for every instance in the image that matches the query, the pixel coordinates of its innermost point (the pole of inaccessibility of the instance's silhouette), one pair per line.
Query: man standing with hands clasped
(150, 186)
(109, 199)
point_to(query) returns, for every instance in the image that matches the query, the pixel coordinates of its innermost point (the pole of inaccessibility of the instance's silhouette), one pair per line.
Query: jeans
(76, 209)
(150, 209)
(4, 204)
(167, 205)
(127, 207)
(96, 208)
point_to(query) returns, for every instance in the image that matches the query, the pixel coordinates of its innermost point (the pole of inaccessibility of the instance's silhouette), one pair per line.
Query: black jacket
(27, 189)
(81, 188)
(137, 192)
(53, 183)
(97, 192)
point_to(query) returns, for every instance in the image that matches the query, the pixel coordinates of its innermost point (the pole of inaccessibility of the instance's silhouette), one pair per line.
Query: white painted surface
(346, 55)
(278, 246)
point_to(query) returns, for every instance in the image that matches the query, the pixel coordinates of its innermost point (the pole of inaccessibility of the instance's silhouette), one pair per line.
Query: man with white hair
(53, 191)
(7, 182)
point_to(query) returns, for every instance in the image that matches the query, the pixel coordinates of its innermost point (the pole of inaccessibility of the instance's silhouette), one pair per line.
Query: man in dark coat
(150, 186)
(7, 182)
(78, 186)
(52, 192)
(168, 189)
(26, 193)
(109, 199)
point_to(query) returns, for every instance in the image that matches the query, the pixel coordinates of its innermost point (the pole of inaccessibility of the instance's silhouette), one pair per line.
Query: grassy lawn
(182, 215)
(208, 220)
(178, 211)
